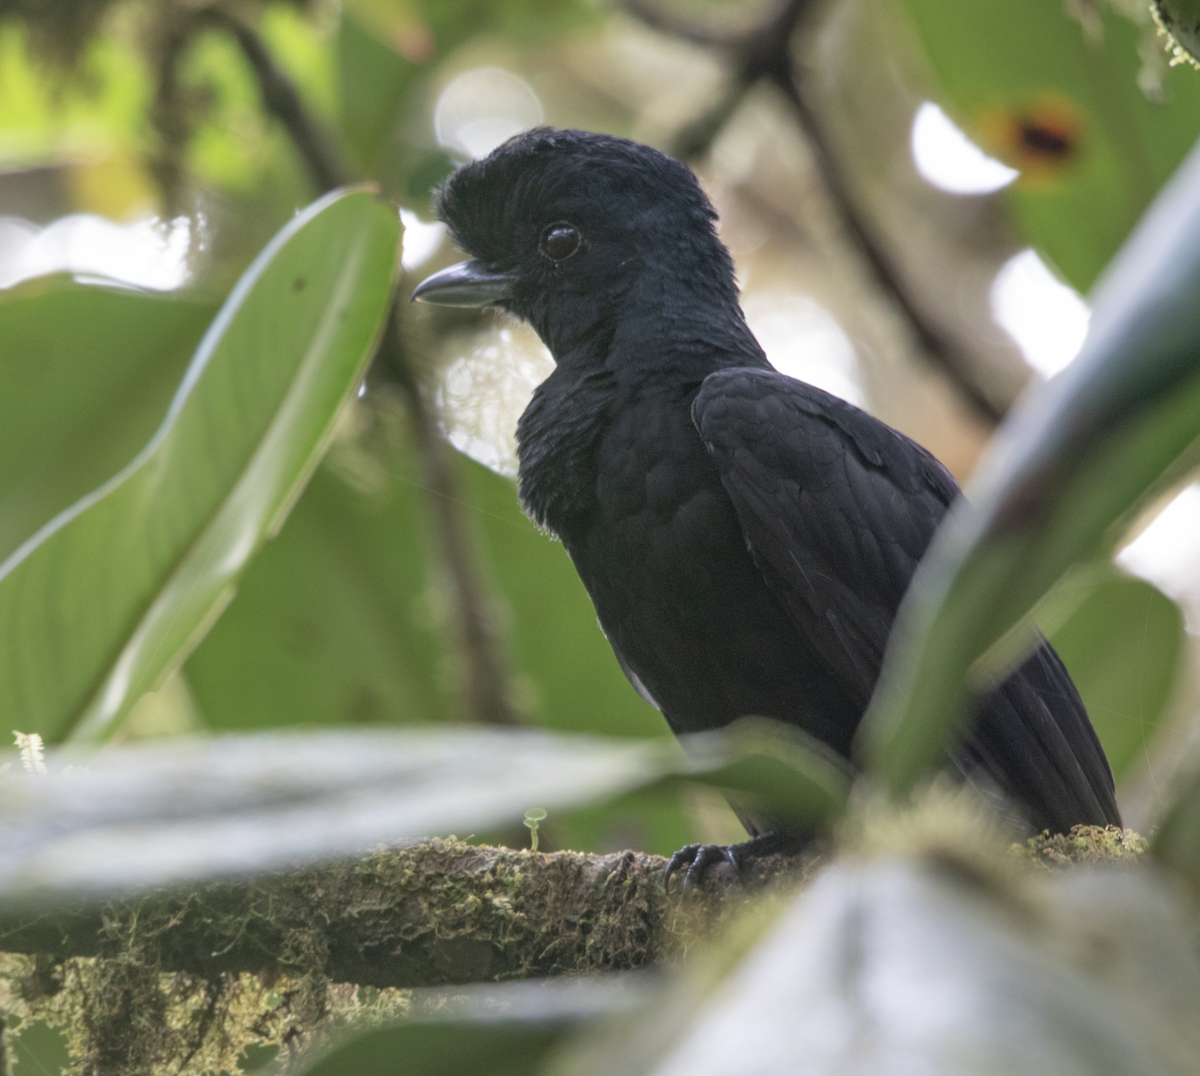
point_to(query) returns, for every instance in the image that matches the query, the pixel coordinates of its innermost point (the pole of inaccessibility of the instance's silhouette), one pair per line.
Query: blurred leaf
(658, 820)
(1177, 842)
(373, 80)
(233, 143)
(442, 1050)
(774, 767)
(902, 964)
(331, 622)
(112, 593)
(1063, 103)
(420, 27)
(181, 808)
(38, 1050)
(1067, 468)
(86, 375)
(302, 50)
(1122, 646)
(504, 1030)
(43, 120)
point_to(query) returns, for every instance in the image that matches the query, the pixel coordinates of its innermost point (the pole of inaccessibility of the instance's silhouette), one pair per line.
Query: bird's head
(585, 236)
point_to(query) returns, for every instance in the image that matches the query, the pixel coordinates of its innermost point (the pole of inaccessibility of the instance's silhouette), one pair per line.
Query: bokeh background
(918, 194)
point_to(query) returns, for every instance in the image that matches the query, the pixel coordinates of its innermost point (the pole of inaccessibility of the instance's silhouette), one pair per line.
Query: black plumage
(746, 538)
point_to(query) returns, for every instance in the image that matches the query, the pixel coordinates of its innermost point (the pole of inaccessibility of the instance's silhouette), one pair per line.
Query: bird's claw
(698, 859)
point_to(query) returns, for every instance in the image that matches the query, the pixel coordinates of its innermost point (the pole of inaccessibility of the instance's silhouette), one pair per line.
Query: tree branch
(182, 980)
(429, 914)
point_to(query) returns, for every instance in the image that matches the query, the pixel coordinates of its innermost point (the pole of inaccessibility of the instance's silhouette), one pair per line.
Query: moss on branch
(185, 979)
(196, 979)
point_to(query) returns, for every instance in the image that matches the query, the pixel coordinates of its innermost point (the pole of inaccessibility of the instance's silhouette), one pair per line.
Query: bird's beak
(465, 284)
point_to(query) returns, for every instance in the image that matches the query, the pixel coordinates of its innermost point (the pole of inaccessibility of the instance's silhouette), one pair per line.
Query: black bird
(745, 537)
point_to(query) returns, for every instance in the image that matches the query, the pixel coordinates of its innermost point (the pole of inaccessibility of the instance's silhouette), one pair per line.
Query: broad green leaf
(112, 594)
(1067, 468)
(192, 808)
(907, 964)
(1059, 97)
(332, 621)
(184, 808)
(1122, 646)
(86, 374)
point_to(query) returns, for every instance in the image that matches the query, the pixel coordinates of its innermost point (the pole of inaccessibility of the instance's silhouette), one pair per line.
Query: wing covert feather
(836, 508)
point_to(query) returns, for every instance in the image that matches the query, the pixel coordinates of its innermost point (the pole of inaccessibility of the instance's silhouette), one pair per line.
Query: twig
(764, 53)
(281, 100)
(487, 687)
(169, 116)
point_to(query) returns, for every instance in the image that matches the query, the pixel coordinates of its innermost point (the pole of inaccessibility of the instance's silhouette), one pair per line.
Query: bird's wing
(837, 510)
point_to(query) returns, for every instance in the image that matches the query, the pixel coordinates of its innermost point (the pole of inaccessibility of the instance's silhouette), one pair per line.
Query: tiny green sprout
(532, 817)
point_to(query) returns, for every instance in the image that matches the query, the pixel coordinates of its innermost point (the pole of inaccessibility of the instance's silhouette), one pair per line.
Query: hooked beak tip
(467, 284)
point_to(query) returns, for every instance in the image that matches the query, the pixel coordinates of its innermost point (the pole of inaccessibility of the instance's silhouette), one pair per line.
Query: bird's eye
(559, 241)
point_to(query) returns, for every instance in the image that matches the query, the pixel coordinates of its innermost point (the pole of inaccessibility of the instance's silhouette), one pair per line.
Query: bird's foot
(695, 860)
(732, 863)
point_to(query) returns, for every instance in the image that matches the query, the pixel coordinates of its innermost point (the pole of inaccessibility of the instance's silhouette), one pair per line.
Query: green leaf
(1177, 843)
(331, 622)
(182, 808)
(187, 809)
(86, 375)
(1015, 69)
(109, 596)
(774, 767)
(1122, 646)
(1067, 470)
(442, 1050)
(373, 80)
(929, 964)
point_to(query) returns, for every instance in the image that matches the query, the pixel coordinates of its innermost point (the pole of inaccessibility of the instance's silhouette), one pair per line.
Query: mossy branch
(182, 980)
(436, 913)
